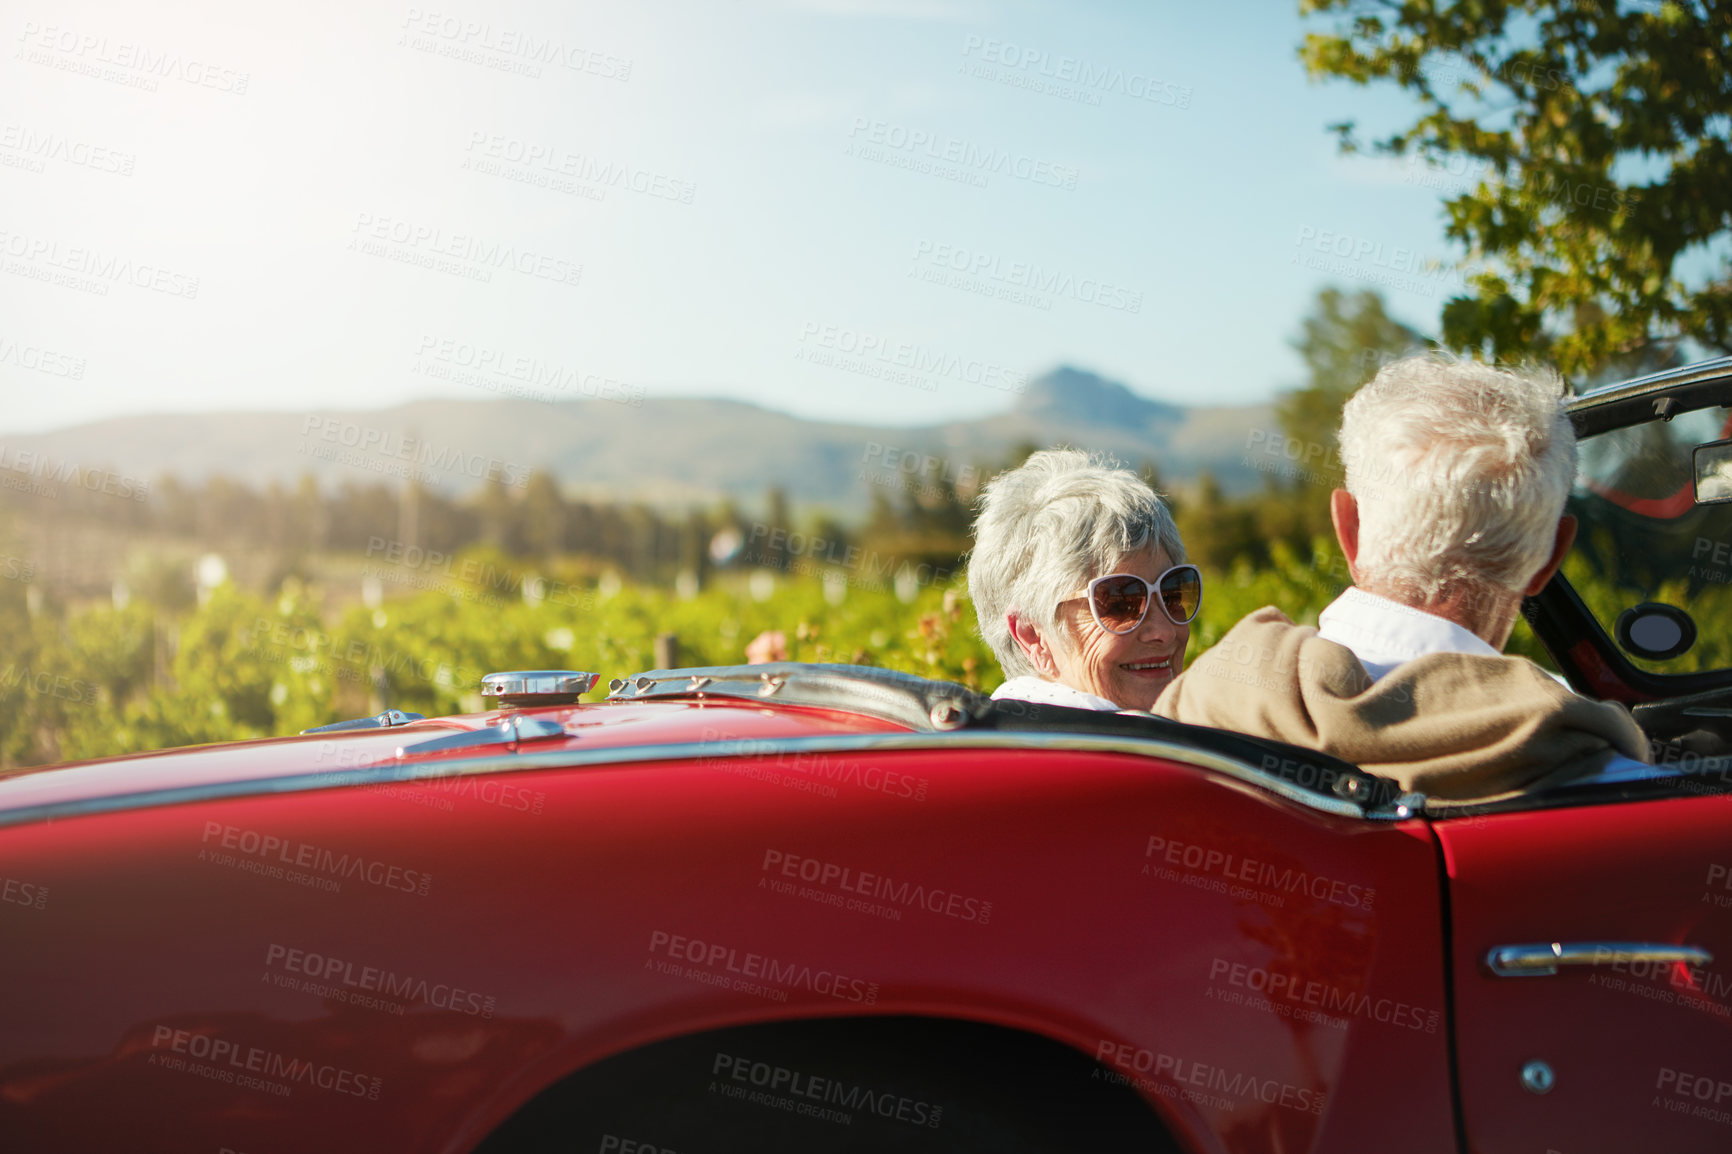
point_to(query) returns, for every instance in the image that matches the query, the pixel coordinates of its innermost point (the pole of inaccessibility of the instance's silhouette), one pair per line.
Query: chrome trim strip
(1542, 959)
(889, 695)
(1659, 382)
(391, 771)
(512, 730)
(385, 720)
(1620, 406)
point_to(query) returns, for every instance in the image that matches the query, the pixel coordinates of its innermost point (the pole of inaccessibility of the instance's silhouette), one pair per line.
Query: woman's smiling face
(1131, 668)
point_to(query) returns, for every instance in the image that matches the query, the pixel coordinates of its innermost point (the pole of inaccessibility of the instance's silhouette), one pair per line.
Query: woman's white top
(1044, 692)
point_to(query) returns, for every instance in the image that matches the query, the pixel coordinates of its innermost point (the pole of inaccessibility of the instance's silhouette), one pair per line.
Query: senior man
(1457, 473)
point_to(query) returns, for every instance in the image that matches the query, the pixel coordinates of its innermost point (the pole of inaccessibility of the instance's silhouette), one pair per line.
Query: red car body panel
(1638, 1049)
(403, 965)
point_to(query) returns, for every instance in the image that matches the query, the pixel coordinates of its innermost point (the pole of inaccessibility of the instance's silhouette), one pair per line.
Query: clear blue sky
(985, 189)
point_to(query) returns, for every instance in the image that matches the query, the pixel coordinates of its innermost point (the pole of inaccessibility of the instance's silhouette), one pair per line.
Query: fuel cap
(537, 686)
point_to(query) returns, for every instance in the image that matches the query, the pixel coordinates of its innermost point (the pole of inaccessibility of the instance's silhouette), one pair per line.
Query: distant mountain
(663, 451)
(1076, 397)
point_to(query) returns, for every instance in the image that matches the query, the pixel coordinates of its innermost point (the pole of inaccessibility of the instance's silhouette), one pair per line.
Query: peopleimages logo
(1365, 259)
(1069, 77)
(723, 965)
(351, 981)
(816, 773)
(479, 38)
(774, 545)
(94, 55)
(1015, 280)
(551, 160)
(38, 147)
(925, 364)
(878, 886)
(1698, 1095)
(42, 683)
(919, 146)
(41, 360)
(473, 256)
(1273, 879)
(262, 850)
(386, 444)
(23, 893)
(496, 370)
(847, 1095)
(71, 473)
(40, 256)
(1286, 990)
(230, 1063)
(1187, 1076)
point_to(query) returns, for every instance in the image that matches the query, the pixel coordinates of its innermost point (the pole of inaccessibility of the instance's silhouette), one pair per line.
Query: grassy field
(104, 680)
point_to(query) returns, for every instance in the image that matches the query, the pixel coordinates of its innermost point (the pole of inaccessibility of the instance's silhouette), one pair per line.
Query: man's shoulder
(1262, 658)
(1265, 622)
(1268, 614)
(1268, 638)
(1490, 672)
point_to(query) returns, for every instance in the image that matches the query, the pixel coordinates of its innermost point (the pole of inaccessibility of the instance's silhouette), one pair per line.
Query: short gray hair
(1460, 470)
(1049, 527)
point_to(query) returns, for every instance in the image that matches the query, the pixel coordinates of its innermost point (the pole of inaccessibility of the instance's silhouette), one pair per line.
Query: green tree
(1595, 134)
(1343, 342)
(1217, 531)
(541, 513)
(773, 553)
(500, 526)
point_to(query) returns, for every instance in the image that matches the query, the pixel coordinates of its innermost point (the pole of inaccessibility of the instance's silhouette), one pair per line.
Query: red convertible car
(814, 908)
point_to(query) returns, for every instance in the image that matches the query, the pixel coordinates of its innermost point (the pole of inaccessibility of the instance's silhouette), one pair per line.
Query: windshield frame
(1578, 641)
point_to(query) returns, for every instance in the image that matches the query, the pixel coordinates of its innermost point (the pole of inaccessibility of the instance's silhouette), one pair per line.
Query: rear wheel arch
(850, 1085)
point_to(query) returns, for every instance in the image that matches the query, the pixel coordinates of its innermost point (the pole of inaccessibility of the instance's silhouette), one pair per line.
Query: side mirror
(1713, 472)
(1655, 631)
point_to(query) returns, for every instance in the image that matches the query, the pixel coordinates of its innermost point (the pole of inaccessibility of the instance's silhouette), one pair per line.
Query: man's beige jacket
(1449, 725)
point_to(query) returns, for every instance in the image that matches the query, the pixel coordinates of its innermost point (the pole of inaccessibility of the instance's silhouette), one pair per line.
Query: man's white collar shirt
(1384, 633)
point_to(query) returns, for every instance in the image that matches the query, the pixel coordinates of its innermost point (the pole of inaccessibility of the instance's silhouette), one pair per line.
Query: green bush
(105, 681)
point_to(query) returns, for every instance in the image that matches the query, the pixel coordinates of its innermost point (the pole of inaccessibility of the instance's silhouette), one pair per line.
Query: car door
(1625, 1042)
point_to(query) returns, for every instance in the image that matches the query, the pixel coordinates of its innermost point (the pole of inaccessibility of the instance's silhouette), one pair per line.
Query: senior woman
(1079, 579)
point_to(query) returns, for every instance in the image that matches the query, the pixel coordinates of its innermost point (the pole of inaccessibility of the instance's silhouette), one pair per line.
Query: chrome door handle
(1543, 958)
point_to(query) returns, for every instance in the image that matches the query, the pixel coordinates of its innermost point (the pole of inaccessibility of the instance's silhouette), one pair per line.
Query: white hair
(1460, 470)
(1049, 527)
